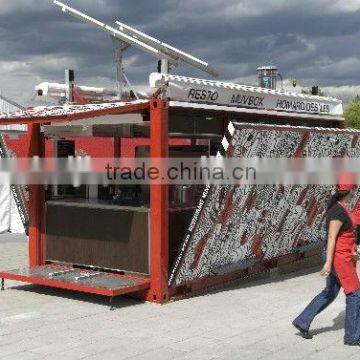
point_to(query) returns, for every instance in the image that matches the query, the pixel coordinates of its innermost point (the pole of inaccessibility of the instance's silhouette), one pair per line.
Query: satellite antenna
(126, 36)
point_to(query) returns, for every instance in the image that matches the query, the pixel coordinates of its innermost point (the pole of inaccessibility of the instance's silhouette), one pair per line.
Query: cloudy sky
(315, 41)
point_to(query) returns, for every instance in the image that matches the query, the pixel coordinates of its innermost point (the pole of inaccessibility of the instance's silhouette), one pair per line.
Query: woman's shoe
(304, 333)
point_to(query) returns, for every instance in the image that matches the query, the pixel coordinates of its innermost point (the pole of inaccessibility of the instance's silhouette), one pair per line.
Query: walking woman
(339, 268)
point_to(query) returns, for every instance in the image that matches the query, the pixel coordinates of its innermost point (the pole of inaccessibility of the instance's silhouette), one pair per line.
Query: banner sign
(180, 88)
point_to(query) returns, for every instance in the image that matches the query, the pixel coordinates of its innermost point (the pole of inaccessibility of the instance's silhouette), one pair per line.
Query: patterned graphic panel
(235, 227)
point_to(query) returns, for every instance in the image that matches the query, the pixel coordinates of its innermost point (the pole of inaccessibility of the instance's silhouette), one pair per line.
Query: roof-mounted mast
(126, 36)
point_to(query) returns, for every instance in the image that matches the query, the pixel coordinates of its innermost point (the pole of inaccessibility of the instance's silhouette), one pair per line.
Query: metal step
(82, 280)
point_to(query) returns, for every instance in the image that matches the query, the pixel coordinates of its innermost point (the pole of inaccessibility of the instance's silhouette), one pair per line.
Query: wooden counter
(108, 236)
(102, 235)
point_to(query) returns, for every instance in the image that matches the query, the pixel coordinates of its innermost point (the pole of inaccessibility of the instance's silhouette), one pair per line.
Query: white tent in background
(10, 220)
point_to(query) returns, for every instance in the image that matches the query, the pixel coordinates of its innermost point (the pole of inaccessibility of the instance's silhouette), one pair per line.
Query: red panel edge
(201, 285)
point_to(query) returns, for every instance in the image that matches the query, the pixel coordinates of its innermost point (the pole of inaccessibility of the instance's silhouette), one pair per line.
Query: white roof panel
(189, 105)
(201, 91)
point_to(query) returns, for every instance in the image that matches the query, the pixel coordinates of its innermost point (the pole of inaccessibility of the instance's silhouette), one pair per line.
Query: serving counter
(107, 236)
(97, 234)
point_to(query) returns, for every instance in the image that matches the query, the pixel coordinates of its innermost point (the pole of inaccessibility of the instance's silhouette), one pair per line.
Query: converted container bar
(155, 286)
(159, 207)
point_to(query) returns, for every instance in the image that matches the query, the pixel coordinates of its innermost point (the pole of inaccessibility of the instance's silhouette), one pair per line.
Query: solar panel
(174, 53)
(142, 41)
(112, 31)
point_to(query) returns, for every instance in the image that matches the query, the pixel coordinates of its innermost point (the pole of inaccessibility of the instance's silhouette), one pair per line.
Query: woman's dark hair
(339, 195)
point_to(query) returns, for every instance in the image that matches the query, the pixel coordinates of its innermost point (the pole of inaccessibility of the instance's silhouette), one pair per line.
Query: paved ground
(247, 322)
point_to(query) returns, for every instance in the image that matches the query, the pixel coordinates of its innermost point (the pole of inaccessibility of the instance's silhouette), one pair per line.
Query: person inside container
(340, 265)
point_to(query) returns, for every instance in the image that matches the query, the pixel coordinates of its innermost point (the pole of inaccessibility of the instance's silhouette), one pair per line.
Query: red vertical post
(159, 206)
(36, 200)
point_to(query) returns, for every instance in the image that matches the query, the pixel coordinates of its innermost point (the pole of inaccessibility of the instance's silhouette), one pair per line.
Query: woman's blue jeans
(324, 299)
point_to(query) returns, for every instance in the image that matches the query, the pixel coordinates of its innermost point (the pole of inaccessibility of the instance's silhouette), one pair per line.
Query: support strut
(119, 48)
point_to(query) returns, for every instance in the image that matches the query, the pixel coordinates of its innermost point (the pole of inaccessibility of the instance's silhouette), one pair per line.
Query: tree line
(352, 113)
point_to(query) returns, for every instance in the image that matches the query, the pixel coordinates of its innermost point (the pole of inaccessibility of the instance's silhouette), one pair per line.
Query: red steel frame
(159, 207)
(36, 202)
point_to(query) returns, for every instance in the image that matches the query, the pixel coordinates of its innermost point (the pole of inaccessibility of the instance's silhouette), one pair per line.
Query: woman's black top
(337, 212)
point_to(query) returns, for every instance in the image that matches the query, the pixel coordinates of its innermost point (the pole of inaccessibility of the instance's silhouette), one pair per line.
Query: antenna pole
(69, 81)
(119, 70)
(164, 66)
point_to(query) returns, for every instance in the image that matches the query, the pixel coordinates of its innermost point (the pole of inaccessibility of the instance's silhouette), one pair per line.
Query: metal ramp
(77, 279)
